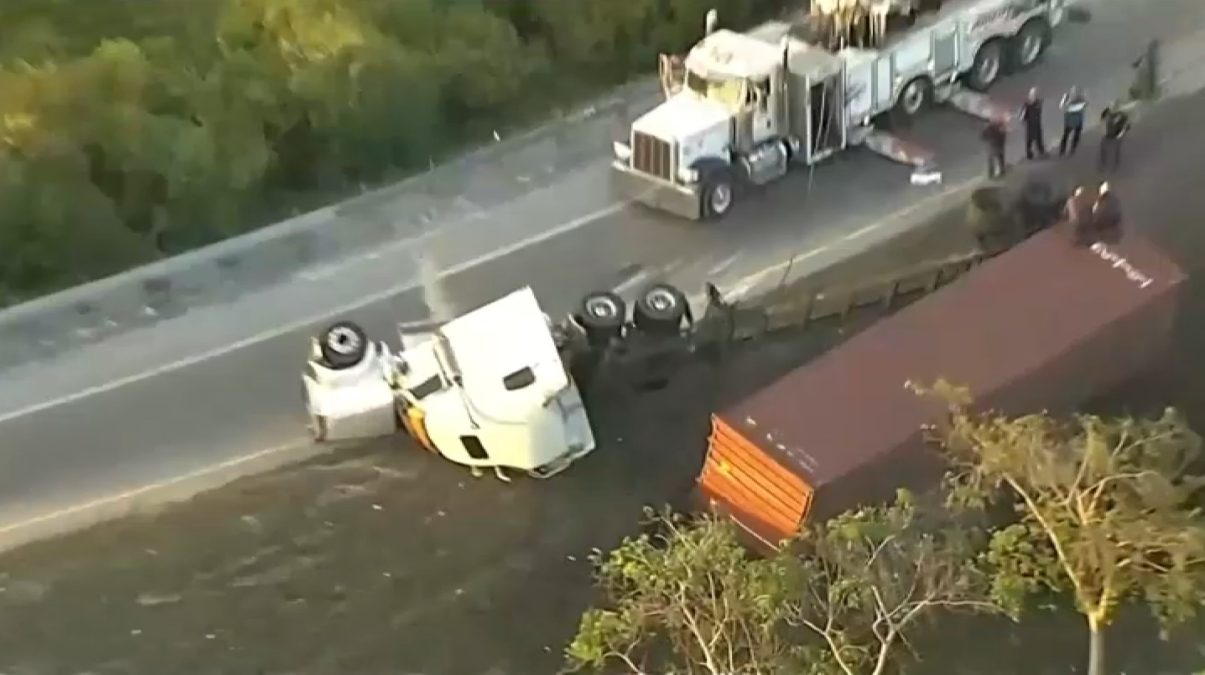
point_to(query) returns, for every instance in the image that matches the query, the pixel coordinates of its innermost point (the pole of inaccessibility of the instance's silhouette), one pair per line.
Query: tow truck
(742, 108)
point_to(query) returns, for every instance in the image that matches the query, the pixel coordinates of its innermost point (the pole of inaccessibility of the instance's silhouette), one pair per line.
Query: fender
(710, 166)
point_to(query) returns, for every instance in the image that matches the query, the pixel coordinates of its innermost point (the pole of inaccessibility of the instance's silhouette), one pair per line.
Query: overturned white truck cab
(741, 108)
(488, 389)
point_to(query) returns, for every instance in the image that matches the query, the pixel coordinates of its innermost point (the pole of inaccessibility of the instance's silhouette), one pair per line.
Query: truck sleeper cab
(749, 105)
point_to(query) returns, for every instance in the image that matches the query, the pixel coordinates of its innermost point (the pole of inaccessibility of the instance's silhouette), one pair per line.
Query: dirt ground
(382, 559)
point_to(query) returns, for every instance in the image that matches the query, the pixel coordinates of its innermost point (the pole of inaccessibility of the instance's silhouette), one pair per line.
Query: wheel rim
(661, 300)
(1031, 47)
(601, 308)
(989, 68)
(721, 198)
(343, 341)
(914, 98)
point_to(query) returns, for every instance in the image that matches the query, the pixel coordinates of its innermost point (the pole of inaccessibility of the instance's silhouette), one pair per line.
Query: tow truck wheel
(718, 196)
(343, 345)
(603, 314)
(660, 310)
(1029, 44)
(914, 97)
(989, 61)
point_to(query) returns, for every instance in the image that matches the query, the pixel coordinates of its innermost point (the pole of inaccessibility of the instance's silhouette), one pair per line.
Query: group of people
(1074, 106)
(1094, 216)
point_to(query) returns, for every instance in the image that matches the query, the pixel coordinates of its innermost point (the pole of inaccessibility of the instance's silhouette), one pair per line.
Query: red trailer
(1044, 326)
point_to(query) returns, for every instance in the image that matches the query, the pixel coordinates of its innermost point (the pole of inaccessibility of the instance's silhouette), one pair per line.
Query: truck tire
(602, 315)
(660, 310)
(343, 345)
(914, 98)
(719, 194)
(1029, 45)
(987, 67)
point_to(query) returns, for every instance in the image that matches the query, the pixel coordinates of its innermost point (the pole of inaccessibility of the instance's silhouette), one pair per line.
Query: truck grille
(652, 156)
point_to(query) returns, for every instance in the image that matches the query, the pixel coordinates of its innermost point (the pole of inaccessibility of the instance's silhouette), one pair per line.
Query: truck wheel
(914, 97)
(660, 310)
(718, 195)
(1029, 44)
(602, 315)
(343, 345)
(989, 62)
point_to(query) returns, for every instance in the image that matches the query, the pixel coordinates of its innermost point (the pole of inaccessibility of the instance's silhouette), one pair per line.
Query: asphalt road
(384, 559)
(219, 387)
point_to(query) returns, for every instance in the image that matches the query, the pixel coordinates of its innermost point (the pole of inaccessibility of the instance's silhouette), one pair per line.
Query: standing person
(1117, 123)
(1106, 215)
(995, 135)
(1031, 113)
(1078, 212)
(1073, 105)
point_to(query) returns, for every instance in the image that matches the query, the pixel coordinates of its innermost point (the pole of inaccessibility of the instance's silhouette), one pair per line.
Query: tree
(844, 599)
(688, 599)
(1105, 509)
(874, 575)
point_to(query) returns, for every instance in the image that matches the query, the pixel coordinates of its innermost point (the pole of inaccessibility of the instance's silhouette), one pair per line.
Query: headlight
(622, 152)
(688, 175)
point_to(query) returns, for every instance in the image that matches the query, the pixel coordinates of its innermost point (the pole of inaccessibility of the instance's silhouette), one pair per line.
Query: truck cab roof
(506, 357)
(728, 54)
(725, 53)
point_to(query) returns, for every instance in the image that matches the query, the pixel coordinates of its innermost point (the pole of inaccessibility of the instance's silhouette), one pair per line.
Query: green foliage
(688, 599)
(157, 126)
(874, 575)
(1106, 509)
(843, 599)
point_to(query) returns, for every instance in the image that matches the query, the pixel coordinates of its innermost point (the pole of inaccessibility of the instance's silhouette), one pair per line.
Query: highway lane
(201, 412)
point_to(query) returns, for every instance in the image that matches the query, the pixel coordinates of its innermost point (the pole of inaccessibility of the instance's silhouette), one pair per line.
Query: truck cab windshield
(729, 92)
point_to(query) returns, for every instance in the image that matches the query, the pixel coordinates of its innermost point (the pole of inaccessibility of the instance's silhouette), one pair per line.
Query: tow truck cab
(486, 389)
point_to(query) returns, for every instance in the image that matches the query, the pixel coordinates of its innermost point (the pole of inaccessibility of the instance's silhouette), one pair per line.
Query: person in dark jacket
(1106, 215)
(1117, 124)
(995, 136)
(1031, 114)
(1078, 213)
(1073, 106)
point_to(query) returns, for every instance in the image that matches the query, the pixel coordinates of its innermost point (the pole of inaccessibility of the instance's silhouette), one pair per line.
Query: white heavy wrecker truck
(742, 108)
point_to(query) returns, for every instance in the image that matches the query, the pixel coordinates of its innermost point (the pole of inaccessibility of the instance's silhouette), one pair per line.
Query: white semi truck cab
(742, 107)
(487, 389)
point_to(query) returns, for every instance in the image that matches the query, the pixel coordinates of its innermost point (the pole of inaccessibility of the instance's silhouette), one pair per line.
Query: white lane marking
(284, 329)
(723, 265)
(633, 281)
(160, 485)
(857, 233)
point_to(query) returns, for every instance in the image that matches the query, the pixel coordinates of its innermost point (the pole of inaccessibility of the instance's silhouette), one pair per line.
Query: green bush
(135, 129)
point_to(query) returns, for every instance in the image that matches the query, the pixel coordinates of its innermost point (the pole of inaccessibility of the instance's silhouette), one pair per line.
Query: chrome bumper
(684, 201)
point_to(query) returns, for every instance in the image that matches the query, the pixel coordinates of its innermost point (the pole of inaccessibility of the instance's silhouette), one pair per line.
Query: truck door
(825, 124)
(765, 121)
(884, 85)
(945, 53)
